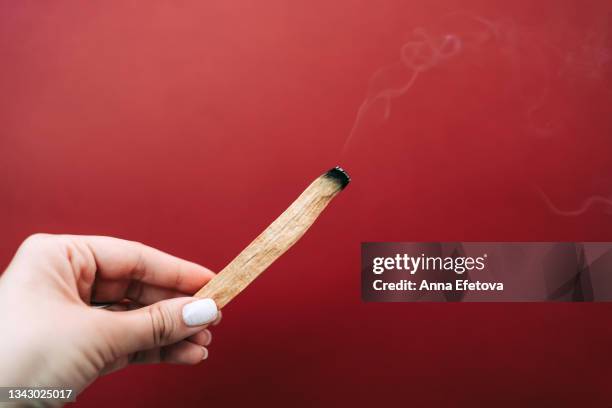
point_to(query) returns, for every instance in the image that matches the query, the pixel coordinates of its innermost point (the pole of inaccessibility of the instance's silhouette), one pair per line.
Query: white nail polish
(208, 337)
(199, 312)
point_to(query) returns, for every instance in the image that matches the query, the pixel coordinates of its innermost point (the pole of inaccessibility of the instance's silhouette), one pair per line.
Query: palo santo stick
(285, 231)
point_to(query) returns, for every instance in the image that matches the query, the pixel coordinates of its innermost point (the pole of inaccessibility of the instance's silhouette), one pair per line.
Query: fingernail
(199, 312)
(208, 337)
(205, 356)
(218, 319)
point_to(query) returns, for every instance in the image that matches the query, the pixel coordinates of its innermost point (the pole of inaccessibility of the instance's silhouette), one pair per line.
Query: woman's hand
(51, 336)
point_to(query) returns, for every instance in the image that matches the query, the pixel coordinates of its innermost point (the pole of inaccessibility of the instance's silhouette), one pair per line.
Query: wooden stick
(275, 240)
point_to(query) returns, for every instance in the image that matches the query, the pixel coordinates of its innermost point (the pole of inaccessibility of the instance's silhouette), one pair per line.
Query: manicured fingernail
(218, 319)
(199, 312)
(208, 337)
(205, 355)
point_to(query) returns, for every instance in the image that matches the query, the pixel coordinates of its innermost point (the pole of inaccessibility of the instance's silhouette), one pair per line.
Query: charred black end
(339, 175)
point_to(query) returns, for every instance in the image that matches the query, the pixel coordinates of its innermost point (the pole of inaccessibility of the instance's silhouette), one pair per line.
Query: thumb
(161, 323)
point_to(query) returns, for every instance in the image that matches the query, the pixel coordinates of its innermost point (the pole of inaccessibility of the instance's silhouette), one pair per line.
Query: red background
(191, 125)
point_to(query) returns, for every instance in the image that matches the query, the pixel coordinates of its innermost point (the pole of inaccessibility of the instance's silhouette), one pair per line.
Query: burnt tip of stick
(339, 175)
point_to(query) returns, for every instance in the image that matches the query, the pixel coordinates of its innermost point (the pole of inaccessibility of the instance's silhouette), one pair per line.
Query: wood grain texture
(275, 240)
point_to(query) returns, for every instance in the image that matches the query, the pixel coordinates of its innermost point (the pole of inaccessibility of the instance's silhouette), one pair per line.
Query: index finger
(121, 260)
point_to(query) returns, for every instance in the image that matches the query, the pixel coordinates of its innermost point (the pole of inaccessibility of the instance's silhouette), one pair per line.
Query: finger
(218, 319)
(118, 259)
(151, 356)
(118, 364)
(106, 290)
(119, 307)
(145, 294)
(184, 352)
(203, 338)
(160, 324)
(137, 291)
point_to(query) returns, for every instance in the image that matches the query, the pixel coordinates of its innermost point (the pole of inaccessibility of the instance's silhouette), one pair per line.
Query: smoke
(422, 52)
(585, 206)
(546, 66)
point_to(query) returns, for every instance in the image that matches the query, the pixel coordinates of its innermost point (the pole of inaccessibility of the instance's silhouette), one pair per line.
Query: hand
(51, 336)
